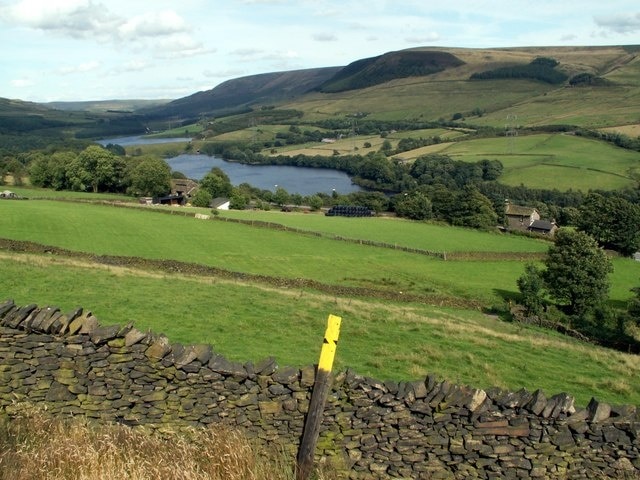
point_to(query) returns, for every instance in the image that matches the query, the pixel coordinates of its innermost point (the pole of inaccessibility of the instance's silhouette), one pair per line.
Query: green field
(548, 161)
(392, 230)
(249, 320)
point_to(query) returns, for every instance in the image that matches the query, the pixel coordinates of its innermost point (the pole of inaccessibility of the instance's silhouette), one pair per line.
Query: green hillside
(239, 282)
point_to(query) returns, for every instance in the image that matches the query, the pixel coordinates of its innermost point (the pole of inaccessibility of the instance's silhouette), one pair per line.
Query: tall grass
(37, 446)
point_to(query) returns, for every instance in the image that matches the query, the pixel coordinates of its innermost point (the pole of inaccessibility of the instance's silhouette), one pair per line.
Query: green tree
(149, 177)
(202, 198)
(613, 221)
(315, 202)
(474, 210)
(376, 167)
(58, 169)
(415, 205)
(39, 170)
(17, 171)
(531, 286)
(281, 196)
(238, 201)
(51, 171)
(217, 183)
(99, 169)
(576, 272)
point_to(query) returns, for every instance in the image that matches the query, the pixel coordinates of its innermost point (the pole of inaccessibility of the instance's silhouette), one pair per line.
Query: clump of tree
(542, 69)
(587, 80)
(569, 291)
(98, 169)
(613, 221)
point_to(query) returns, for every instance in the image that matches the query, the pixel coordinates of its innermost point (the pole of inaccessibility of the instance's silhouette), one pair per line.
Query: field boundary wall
(373, 429)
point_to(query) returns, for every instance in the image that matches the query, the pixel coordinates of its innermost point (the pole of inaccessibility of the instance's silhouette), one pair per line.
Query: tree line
(99, 169)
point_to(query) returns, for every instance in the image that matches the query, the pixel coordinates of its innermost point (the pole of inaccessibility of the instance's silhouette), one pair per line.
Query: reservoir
(301, 180)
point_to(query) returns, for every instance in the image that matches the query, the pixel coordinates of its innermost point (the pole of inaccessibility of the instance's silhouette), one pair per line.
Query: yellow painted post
(318, 399)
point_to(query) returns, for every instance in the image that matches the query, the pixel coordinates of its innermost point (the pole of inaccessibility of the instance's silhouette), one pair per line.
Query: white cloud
(86, 19)
(246, 52)
(22, 82)
(620, 23)
(422, 39)
(156, 24)
(73, 18)
(325, 37)
(180, 46)
(82, 68)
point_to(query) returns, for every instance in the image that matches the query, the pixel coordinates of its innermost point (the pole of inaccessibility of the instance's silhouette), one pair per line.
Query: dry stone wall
(375, 429)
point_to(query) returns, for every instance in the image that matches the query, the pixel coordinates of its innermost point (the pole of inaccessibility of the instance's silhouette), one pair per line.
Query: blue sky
(63, 50)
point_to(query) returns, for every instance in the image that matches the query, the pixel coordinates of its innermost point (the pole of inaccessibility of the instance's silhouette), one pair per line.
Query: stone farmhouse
(527, 219)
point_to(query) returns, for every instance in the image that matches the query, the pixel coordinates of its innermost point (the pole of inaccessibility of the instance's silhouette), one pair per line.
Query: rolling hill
(432, 83)
(241, 93)
(478, 87)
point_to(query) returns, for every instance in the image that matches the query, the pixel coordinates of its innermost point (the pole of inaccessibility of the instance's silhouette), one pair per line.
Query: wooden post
(318, 398)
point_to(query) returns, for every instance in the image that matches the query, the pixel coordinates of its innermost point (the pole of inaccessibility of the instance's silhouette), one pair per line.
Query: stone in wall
(422, 429)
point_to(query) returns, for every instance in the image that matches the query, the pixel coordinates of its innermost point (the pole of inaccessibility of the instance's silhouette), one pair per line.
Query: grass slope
(383, 339)
(248, 322)
(548, 160)
(442, 94)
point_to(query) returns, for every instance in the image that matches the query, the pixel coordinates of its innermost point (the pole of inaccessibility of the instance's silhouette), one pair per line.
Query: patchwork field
(548, 161)
(250, 314)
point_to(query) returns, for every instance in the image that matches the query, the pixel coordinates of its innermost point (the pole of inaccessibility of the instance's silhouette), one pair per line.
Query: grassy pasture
(165, 150)
(548, 161)
(382, 339)
(427, 236)
(344, 146)
(106, 230)
(249, 322)
(589, 107)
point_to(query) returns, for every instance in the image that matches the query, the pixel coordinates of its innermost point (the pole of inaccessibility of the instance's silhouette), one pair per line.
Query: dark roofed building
(544, 227)
(519, 217)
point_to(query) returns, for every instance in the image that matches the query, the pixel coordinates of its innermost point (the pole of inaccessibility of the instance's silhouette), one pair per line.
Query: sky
(82, 50)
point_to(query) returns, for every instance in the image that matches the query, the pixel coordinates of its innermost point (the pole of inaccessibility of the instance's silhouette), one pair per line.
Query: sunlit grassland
(589, 107)
(362, 144)
(415, 98)
(31, 192)
(344, 146)
(236, 247)
(427, 236)
(632, 130)
(549, 160)
(165, 150)
(248, 322)
(120, 231)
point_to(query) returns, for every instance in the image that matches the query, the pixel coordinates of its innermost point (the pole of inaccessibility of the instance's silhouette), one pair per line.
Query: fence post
(318, 398)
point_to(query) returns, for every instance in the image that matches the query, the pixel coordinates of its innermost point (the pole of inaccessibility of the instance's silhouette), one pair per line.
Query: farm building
(220, 203)
(527, 219)
(173, 199)
(184, 186)
(545, 227)
(519, 217)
